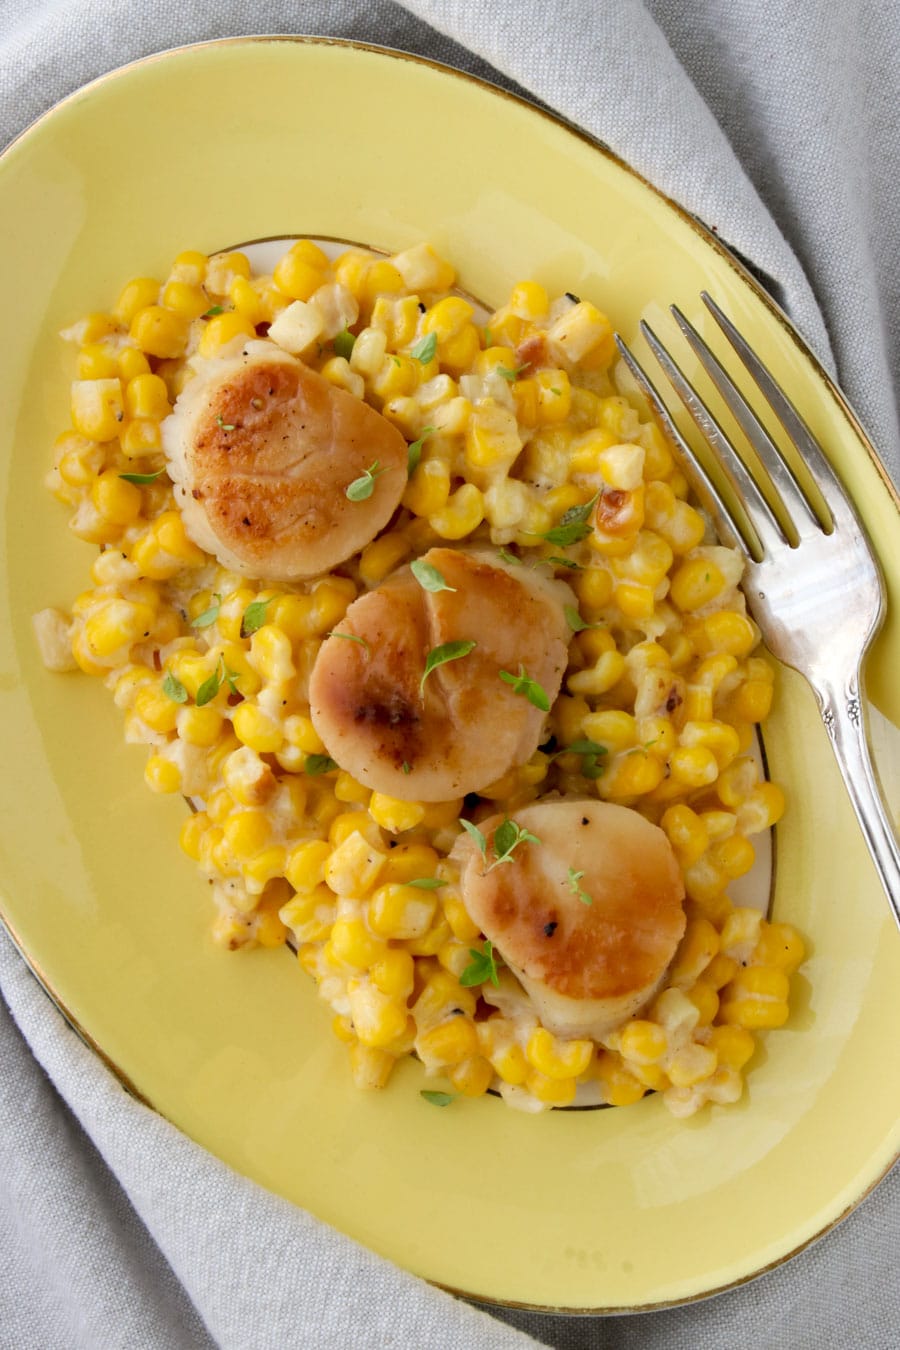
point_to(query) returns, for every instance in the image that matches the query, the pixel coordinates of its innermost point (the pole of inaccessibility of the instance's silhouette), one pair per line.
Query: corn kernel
(618, 1085)
(256, 729)
(393, 973)
(159, 332)
(377, 1018)
(135, 296)
(246, 832)
(162, 775)
(371, 1067)
(222, 329)
(97, 408)
(691, 1064)
(642, 1041)
(306, 862)
(191, 833)
(463, 513)
(450, 1042)
(354, 866)
(401, 912)
(117, 500)
(393, 815)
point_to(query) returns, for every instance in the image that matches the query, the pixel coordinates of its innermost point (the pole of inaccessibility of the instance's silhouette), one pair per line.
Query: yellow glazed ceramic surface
(217, 145)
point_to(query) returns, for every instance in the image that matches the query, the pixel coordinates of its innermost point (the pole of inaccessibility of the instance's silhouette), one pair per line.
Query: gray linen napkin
(773, 123)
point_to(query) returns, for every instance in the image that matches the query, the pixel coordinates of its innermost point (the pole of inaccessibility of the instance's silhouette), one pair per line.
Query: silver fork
(819, 598)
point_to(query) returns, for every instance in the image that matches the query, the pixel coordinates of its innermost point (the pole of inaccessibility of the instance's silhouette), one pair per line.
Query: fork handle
(844, 716)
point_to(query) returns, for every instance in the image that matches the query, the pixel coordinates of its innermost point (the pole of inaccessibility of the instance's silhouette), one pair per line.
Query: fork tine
(802, 514)
(768, 531)
(820, 470)
(700, 479)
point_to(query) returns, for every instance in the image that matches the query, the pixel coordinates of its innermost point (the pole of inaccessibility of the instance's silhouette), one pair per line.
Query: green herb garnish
(213, 309)
(316, 764)
(209, 615)
(591, 753)
(575, 621)
(140, 479)
(343, 344)
(425, 349)
(436, 1098)
(174, 689)
(255, 616)
(211, 686)
(414, 453)
(488, 338)
(573, 526)
(575, 888)
(361, 488)
(426, 883)
(447, 651)
(510, 374)
(564, 562)
(428, 576)
(481, 968)
(507, 838)
(351, 637)
(528, 688)
(226, 426)
(508, 557)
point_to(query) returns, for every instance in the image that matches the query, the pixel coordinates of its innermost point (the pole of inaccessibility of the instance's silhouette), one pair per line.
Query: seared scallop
(588, 919)
(436, 737)
(262, 450)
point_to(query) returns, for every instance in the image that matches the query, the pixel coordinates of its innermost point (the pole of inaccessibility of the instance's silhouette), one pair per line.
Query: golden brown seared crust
(533, 908)
(464, 727)
(269, 454)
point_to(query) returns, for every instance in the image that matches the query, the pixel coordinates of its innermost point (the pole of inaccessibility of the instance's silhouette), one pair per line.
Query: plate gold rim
(825, 380)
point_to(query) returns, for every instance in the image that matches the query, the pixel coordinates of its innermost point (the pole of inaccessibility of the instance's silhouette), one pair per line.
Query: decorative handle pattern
(844, 718)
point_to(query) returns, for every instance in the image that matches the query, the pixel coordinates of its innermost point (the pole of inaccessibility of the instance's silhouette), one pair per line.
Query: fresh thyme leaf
(428, 576)
(255, 616)
(406, 767)
(591, 753)
(343, 344)
(351, 637)
(488, 338)
(507, 838)
(425, 349)
(364, 486)
(213, 309)
(414, 453)
(316, 764)
(141, 478)
(528, 688)
(474, 833)
(508, 557)
(575, 621)
(575, 888)
(226, 426)
(565, 562)
(573, 526)
(481, 968)
(174, 689)
(510, 374)
(426, 883)
(436, 1098)
(209, 615)
(211, 686)
(447, 651)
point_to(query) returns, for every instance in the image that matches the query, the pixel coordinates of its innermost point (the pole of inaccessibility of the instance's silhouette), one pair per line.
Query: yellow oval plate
(592, 1210)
